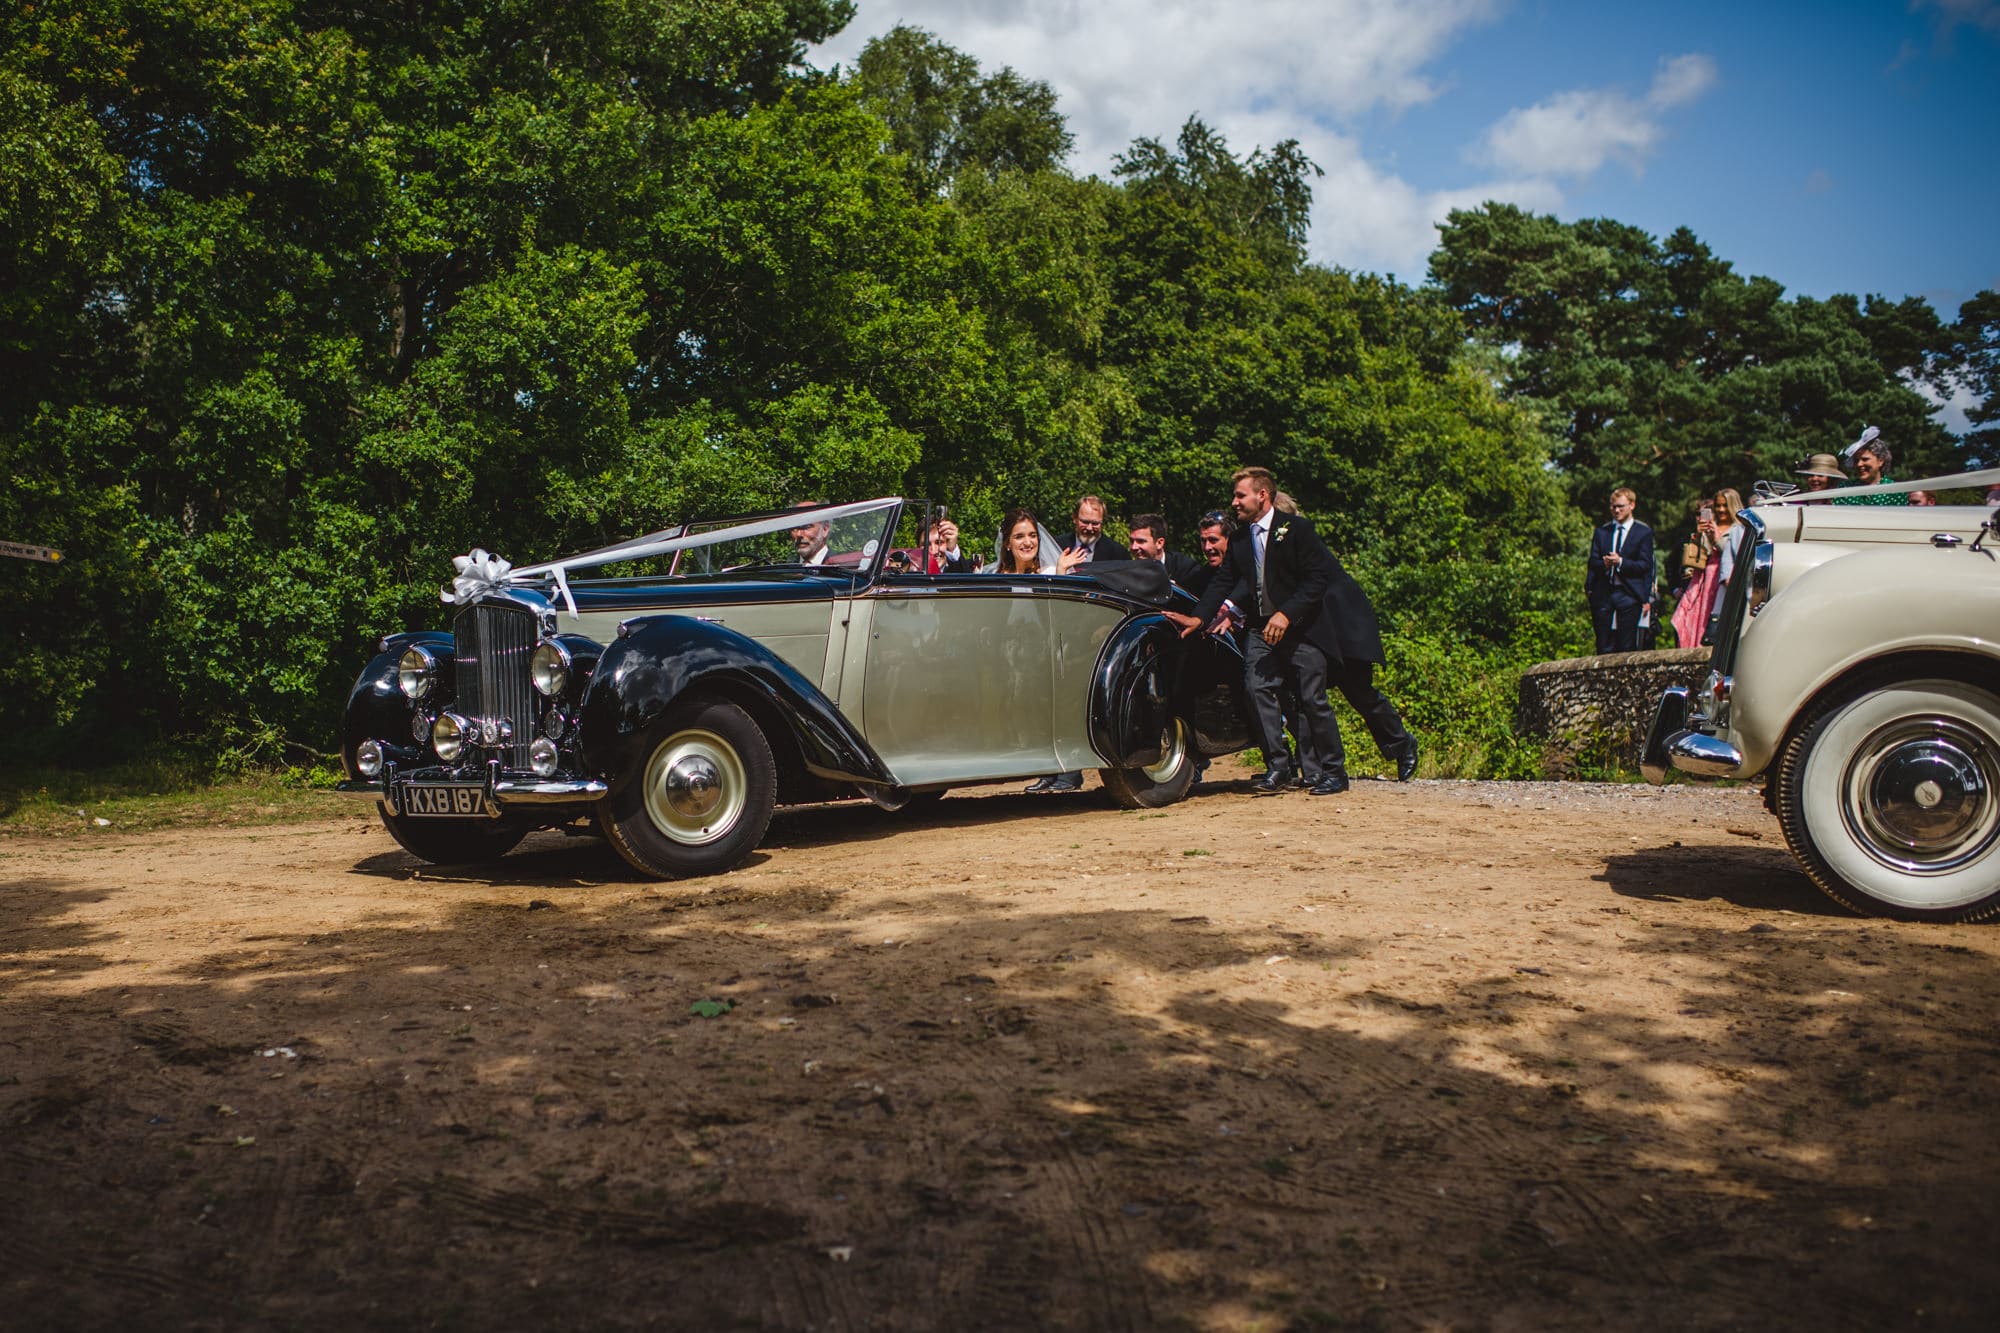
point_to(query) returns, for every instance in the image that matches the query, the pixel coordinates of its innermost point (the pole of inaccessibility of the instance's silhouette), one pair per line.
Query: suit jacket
(1350, 619)
(1101, 549)
(1202, 575)
(1633, 584)
(1298, 571)
(1182, 567)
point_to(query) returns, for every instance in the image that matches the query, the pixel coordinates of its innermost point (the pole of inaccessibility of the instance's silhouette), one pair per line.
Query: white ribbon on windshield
(480, 572)
(1984, 477)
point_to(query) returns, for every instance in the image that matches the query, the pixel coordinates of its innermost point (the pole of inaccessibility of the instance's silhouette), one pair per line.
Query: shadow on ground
(969, 1120)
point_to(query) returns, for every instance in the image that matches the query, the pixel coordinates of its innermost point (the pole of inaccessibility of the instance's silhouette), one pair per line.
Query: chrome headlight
(549, 668)
(448, 735)
(368, 759)
(542, 757)
(417, 672)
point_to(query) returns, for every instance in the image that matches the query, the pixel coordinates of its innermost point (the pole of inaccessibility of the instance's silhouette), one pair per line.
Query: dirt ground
(1443, 1055)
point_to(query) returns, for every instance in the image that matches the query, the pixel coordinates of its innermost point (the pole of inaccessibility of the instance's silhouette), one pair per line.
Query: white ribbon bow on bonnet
(478, 573)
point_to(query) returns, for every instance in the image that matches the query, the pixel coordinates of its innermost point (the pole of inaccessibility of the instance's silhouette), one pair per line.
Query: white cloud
(1130, 68)
(1364, 217)
(1574, 133)
(1681, 79)
(1258, 71)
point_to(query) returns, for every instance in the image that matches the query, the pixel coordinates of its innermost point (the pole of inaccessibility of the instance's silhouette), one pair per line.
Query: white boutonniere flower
(1279, 535)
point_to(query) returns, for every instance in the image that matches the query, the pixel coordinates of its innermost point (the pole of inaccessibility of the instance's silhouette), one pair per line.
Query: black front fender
(659, 659)
(376, 708)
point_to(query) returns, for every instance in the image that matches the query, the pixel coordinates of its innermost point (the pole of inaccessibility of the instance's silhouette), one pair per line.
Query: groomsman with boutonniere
(1279, 571)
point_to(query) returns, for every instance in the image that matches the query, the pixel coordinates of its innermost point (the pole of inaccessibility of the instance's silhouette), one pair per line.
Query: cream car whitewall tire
(1890, 798)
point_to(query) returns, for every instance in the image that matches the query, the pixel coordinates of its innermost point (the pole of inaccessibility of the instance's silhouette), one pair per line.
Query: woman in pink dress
(1703, 561)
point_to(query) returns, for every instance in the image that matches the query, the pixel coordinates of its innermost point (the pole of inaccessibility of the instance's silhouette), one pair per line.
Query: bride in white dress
(1026, 547)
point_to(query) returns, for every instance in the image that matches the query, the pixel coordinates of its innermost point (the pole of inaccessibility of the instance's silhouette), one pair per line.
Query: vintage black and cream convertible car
(732, 666)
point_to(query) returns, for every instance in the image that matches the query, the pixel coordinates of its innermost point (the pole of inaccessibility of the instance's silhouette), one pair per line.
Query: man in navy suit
(1279, 572)
(1619, 581)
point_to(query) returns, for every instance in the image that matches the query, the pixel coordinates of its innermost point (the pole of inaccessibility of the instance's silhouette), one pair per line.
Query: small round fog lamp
(368, 759)
(448, 736)
(542, 757)
(549, 668)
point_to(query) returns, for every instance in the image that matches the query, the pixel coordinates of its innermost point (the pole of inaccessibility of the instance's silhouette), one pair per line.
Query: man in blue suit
(1619, 581)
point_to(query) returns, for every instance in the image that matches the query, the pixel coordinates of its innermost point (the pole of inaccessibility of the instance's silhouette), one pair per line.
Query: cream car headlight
(417, 672)
(448, 736)
(549, 668)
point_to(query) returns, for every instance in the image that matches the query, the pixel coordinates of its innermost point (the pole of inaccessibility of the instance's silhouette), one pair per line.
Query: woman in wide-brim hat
(1821, 472)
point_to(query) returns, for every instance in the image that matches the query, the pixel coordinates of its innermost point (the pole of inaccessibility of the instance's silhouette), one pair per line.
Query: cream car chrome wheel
(1892, 799)
(695, 787)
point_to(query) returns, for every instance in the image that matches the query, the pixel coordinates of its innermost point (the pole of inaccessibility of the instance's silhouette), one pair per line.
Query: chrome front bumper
(1673, 744)
(501, 790)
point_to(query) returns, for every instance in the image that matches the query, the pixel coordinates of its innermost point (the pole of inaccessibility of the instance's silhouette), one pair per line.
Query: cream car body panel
(1852, 609)
(957, 684)
(1856, 669)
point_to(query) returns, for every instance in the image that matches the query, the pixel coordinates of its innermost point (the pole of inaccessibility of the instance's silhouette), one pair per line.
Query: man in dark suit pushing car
(1281, 573)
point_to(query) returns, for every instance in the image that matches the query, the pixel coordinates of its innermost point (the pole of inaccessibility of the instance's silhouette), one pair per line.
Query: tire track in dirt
(713, 1226)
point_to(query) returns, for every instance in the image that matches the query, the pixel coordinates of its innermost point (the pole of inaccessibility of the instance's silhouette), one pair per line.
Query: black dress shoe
(1332, 785)
(1270, 784)
(1406, 764)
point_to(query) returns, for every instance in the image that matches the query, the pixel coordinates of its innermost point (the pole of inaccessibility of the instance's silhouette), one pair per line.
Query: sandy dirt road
(1444, 1055)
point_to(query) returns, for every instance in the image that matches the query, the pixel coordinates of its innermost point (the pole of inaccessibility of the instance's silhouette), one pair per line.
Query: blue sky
(1835, 147)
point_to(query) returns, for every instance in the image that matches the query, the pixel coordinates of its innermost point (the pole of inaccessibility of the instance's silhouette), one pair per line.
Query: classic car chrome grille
(493, 644)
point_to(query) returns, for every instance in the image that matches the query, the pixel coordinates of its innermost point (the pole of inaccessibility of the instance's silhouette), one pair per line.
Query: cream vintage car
(667, 692)
(1856, 669)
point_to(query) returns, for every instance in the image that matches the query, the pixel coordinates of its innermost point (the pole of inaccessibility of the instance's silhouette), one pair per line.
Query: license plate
(452, 800)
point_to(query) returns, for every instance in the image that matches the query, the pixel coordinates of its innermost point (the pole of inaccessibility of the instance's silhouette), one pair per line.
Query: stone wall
(1593, 712)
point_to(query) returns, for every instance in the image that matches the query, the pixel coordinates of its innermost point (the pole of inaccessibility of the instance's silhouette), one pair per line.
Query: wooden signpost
(48, 555)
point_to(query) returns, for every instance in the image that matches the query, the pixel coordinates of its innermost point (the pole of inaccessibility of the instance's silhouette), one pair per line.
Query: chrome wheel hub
(695, 786)
(1920, 795)
(1173, 753)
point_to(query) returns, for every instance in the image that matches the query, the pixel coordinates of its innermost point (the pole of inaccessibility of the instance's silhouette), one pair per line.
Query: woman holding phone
(1706, 559)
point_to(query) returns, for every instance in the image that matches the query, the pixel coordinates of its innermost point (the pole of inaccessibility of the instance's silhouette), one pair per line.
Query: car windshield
(845, 541)
(849, 538)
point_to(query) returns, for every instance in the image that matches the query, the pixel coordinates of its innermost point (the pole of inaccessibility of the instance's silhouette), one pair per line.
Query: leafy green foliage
(1660, 368)
(298, 300)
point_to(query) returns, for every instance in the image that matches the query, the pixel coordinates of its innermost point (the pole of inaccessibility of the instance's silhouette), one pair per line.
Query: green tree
(1971, 363)
(1661, 368)
(948, 118)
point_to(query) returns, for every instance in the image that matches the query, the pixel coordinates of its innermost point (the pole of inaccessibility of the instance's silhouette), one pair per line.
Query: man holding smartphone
(1618, 583)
